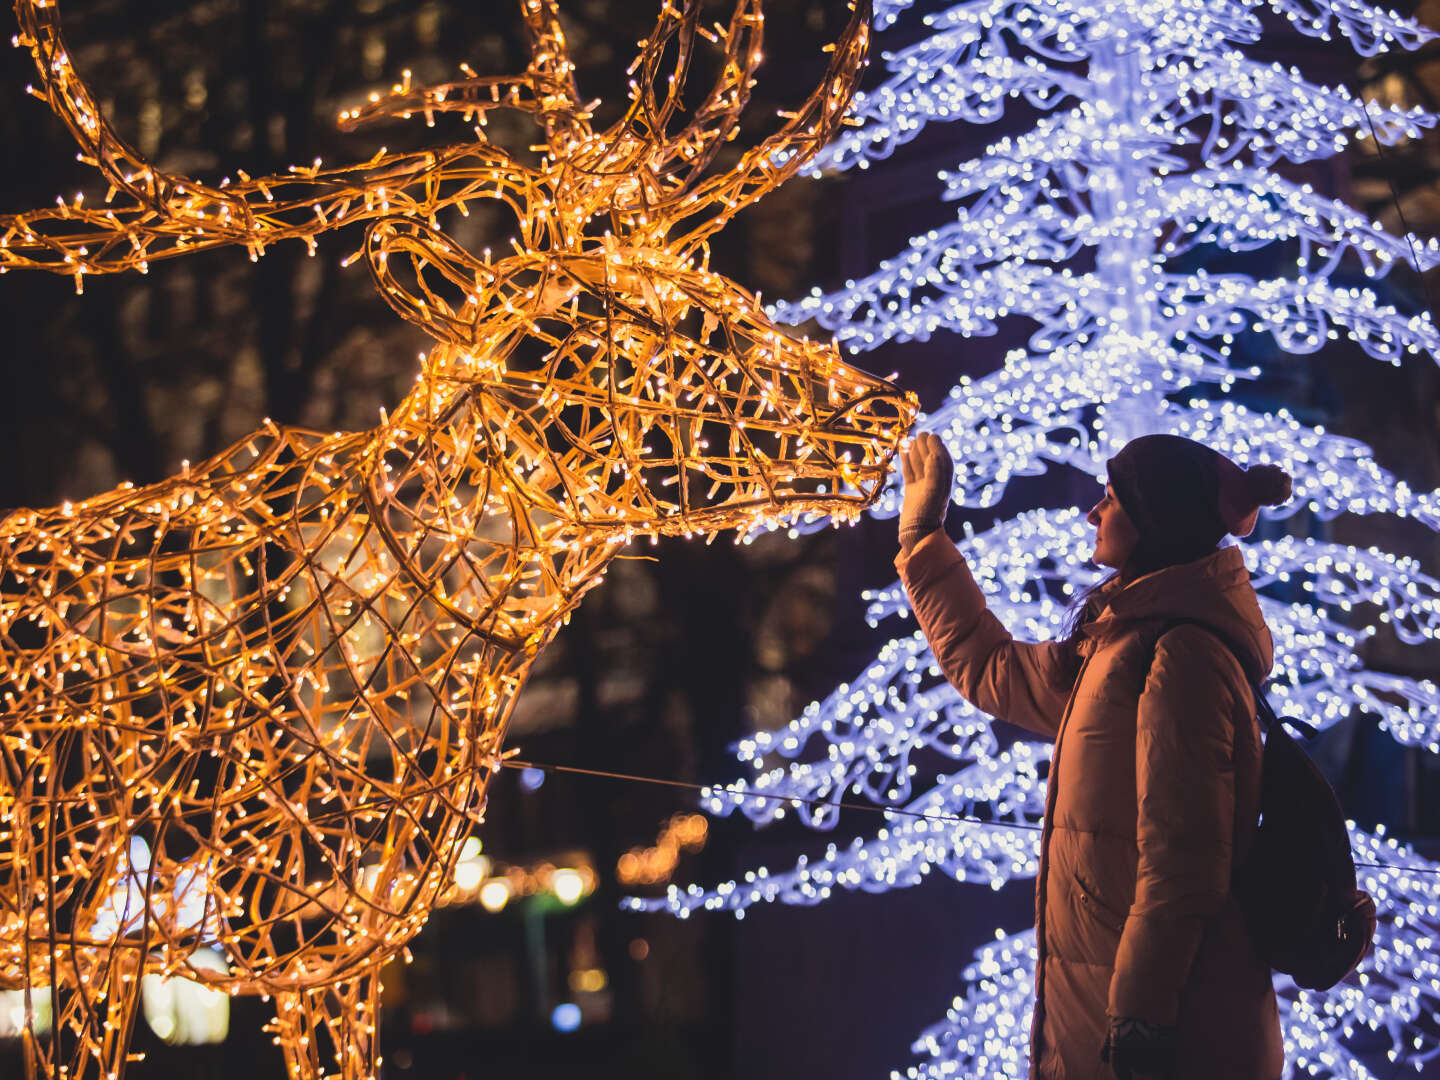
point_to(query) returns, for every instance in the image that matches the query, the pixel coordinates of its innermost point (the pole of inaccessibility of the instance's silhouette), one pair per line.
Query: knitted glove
(929, 475)
(1136, 1049)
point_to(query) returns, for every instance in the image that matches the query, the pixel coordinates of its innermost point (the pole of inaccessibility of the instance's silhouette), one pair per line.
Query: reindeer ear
(427, 277)
(434, 283)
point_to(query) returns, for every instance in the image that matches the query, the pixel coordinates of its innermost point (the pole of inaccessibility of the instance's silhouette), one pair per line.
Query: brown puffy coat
(1153, 798)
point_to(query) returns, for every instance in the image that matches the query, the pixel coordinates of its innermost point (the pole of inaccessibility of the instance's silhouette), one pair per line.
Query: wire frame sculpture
(254, 707)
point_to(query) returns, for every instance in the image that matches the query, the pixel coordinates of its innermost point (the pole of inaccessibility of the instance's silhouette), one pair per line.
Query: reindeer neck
(480, 480)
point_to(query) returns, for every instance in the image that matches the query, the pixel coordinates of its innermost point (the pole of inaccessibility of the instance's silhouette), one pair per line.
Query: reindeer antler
(547, 89)
(782, 154)
(640, 146)
(644, 175)
(650, 176)
(164, 214)
(638, 171)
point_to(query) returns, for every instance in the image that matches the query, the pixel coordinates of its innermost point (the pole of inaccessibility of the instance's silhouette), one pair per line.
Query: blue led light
(565, 1017)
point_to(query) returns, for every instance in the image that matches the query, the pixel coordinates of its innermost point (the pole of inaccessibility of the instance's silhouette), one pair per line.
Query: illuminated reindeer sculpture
(256, 705)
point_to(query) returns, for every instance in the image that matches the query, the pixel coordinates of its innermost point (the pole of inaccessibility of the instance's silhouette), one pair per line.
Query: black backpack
(1297, 887)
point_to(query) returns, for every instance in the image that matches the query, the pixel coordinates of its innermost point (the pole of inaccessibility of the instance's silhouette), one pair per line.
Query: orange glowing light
(254, 707)
(654, 865)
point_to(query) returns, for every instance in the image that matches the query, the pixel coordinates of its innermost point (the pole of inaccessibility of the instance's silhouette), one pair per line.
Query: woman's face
(1115, 534)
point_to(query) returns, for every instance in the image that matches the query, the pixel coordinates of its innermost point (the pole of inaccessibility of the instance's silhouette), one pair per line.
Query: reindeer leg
(42, 1054)
(94, 1015)
(346, 1014)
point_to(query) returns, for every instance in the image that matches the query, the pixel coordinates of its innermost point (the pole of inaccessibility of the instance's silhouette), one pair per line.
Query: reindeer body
(256, 705)
(273, 627)
(280, 605)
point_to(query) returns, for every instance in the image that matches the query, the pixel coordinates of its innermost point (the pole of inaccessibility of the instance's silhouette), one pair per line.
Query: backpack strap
(1266, 715)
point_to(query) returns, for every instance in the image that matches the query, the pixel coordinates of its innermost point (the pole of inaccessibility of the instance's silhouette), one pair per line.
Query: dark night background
(672, 659)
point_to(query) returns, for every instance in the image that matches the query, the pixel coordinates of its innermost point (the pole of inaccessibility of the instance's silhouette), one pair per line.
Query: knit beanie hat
(1184, 497)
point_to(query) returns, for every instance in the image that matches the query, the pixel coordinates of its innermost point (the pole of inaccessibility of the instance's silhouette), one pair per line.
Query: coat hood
(1214, 590)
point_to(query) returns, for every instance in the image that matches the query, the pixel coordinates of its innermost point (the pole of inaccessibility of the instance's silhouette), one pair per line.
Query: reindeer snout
(872, 412)
(877, 411)
(863, 432)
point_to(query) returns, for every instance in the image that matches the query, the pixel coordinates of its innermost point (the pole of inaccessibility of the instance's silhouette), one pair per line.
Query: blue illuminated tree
(1152, 160)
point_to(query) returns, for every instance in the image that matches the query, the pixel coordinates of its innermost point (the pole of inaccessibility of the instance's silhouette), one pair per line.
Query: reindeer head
(637, 390)
(628, 390)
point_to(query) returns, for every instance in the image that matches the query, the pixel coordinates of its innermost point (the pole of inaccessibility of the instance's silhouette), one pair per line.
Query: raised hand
(929, 475)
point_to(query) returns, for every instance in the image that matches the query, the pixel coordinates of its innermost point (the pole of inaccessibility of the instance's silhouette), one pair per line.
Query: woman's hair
(1078, 613)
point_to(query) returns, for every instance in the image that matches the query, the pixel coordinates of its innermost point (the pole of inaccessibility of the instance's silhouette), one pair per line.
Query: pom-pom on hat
(1184, 497)
(1243, 491)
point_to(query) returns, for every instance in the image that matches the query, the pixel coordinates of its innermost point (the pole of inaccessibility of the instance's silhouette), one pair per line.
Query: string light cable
(708, 790)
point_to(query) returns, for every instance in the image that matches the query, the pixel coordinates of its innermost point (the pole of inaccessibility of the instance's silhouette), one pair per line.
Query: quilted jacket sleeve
(1024, 684)
(1185, 787)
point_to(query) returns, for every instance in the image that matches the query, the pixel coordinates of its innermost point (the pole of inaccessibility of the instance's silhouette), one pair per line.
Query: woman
(1144, 968)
